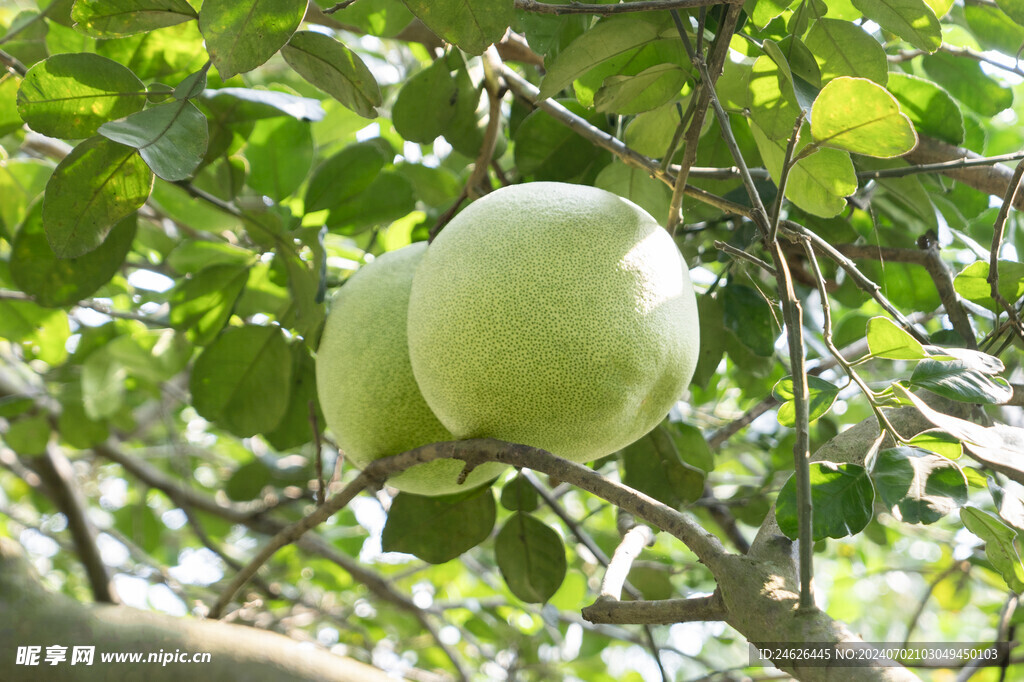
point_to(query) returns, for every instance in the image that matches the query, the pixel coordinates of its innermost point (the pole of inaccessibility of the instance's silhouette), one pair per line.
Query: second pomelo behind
(555, 315)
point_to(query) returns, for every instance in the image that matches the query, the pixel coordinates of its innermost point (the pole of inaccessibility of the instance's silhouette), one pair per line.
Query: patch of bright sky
(150, 281)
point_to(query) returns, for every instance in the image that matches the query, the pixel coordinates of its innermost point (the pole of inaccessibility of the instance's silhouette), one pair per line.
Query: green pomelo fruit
(554, 315)
(367, 391)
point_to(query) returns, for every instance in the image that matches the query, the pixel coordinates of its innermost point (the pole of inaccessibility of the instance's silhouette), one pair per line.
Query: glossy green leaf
(1013, 9)
(918, 487)
(471, 25)
(842, 498)
(821, 395)
(638, 186)
(653, 466)
(344, 175)
(912, 20)
(964, 79)
(439, 529)
(387, 198)
(845, 49)
(519, 495)
(280, 154)
(21, 182)
(954, 379)
(649, 89)
(547, 150)
(939, 442)
(887, 340)
(972, 282)
(999, 545)
(819, 183)
(750, 318)
(171, 137)
(296, 427)
(56, 282)
(71, 95)
(242, 35)
(202, 304)
(861, 116)
(930, 108)
(969, 358)
(773, 106)
(114, 18)
(531, 558)
(242, 380)
(609, 38)
(335, 69)
(92, 189)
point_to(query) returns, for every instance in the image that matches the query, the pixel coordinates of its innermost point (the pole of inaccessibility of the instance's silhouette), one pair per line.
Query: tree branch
(990, 179)
(1012, 190)
(661, 612)
(622, 8)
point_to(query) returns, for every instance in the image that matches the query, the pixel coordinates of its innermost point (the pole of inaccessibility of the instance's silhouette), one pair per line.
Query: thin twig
(997, 242)
(787, 167)
(743, 255)
(340, 6)
(606, 10)
(13, 63)
(939, 167)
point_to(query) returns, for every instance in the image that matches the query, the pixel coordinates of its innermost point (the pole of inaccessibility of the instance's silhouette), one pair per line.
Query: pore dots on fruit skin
(550, 314)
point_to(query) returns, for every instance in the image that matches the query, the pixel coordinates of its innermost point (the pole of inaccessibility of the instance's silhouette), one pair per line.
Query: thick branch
(992, 180)
(661, 612)
(35, 616)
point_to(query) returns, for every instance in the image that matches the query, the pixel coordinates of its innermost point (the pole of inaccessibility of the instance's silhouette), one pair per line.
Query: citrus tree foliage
(184, 182)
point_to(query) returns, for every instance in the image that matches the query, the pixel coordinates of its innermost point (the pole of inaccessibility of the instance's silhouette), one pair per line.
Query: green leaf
(383, 18)
(242, 380)
(472, 25)
(335, 69)
(25, 38)
(649, 89)
(773, 106)
(31, 324)
(77, 429)
(999, 545)
(548, 150)
(248, 104)
(964, 79)
(972, 282)
(819, 183)
(918, 487)
(154, 355)
(55, 282)
(242, 35)
(519, 495)
(439, 529)
(692, 446)
(280, 154)
(712, 339)
(887, 340)
(427, 103)
(28, 436)
(344, 175)
(637, 185)
(841, 495)
(972, 359)
(171, 137)
(955, 379)
(92, 189)
(21, 181)
(71, 95)
(939, 442)
(750, 318)
(930, 108)
(607, 39)
(912, 20)
(994, 29)
(202, 304)
(766, 10)
(387, 198)
(115, 18)
(10, 120)
(842, 48)
(860, 116)
(531, 558)
(821, 395)
(192, 256)
(296, 427)
(1013, 9)
(653, 466)
(247, 481)
(103, 385)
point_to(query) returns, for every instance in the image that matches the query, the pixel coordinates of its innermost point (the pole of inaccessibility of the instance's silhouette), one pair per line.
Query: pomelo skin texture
(554, 315)
(365, 384)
